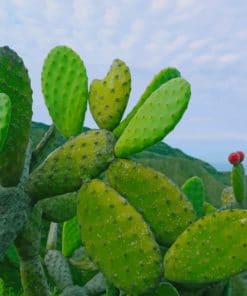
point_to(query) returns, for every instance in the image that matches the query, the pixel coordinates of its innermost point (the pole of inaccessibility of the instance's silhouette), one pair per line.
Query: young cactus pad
(162, 77)
(65, 169)
(238, 182)
(193, 188)
(212, 249)
(118, 239)
(109, 97)
(15, 82)
(71, 239)
(5, 115)
(155, 118)
(163, 206)
(64, 85)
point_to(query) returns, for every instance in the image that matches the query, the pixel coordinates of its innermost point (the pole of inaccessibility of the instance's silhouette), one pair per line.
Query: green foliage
(64, 85)
(210, 250)
(5, 116)
(237, 180)
(66, 168)
(162, 77)
(155, 118)
(163, 206)
(194, 190)
(15, 83)
(109, 226)
(71, 239)
(108, 97)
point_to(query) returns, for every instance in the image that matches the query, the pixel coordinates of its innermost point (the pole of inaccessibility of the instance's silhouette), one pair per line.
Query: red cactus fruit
(234, 158)
(241, 155)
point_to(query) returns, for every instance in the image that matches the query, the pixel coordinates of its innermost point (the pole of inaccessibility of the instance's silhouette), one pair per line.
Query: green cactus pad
(71, 239)
(108, 97)
(208, 208)
(5, 116)
(155, 118)
(238, 182)
(162, 77)
(210, 250)
(15, 82)
(118, 239)
(54, 207)
(64, 85)
(66, 168)
(193, 188)
(163, 206)
(164, 289)
(58, 268)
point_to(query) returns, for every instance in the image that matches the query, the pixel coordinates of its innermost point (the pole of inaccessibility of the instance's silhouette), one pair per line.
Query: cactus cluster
(127, 229)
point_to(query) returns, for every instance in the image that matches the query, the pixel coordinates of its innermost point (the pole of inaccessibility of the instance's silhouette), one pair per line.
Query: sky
(205, 40)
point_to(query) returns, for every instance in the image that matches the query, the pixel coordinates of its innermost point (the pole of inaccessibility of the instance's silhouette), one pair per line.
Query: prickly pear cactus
(159, 200)
(5, 115)
(78, 160)
(54, 207)
(155, 118)
(15, 83)
(108, 97)
(238, 182)
(210, 250)
(159, 79)
(194, 190)
(109, 226)
(64, 85)
(71, 239)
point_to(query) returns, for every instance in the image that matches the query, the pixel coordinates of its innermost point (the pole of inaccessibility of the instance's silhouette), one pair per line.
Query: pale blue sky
(205, 40)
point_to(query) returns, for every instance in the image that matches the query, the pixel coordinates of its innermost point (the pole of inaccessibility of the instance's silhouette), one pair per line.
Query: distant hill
(173, 162)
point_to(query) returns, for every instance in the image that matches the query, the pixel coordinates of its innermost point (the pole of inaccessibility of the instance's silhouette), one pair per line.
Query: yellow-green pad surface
(155, 118)
(162, 77)
(118, 239)
(65, 169)
(163, 206)
(65, 88)
(5, 115)
(71, 239)
(212, 249)
(15, 82)
(109, 97)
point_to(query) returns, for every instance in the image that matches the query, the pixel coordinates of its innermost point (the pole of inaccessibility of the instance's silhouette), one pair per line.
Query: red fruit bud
(241, 155)
(234, 158)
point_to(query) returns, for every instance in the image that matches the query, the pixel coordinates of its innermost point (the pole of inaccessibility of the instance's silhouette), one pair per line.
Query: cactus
(155, 118)
(109, 225)
(238, 182)
(15, 83)
(54, 207)
(210, 250)
(5, 116)
(71, 239)
(14, 212)
(193, 188)
(162, 77)
(164, 289)
(66, 168)
(64, 85)
(161, 203)
(108, 97)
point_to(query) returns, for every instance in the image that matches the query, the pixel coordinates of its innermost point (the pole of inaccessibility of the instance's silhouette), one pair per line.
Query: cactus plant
(108, 97)
(125, 220)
